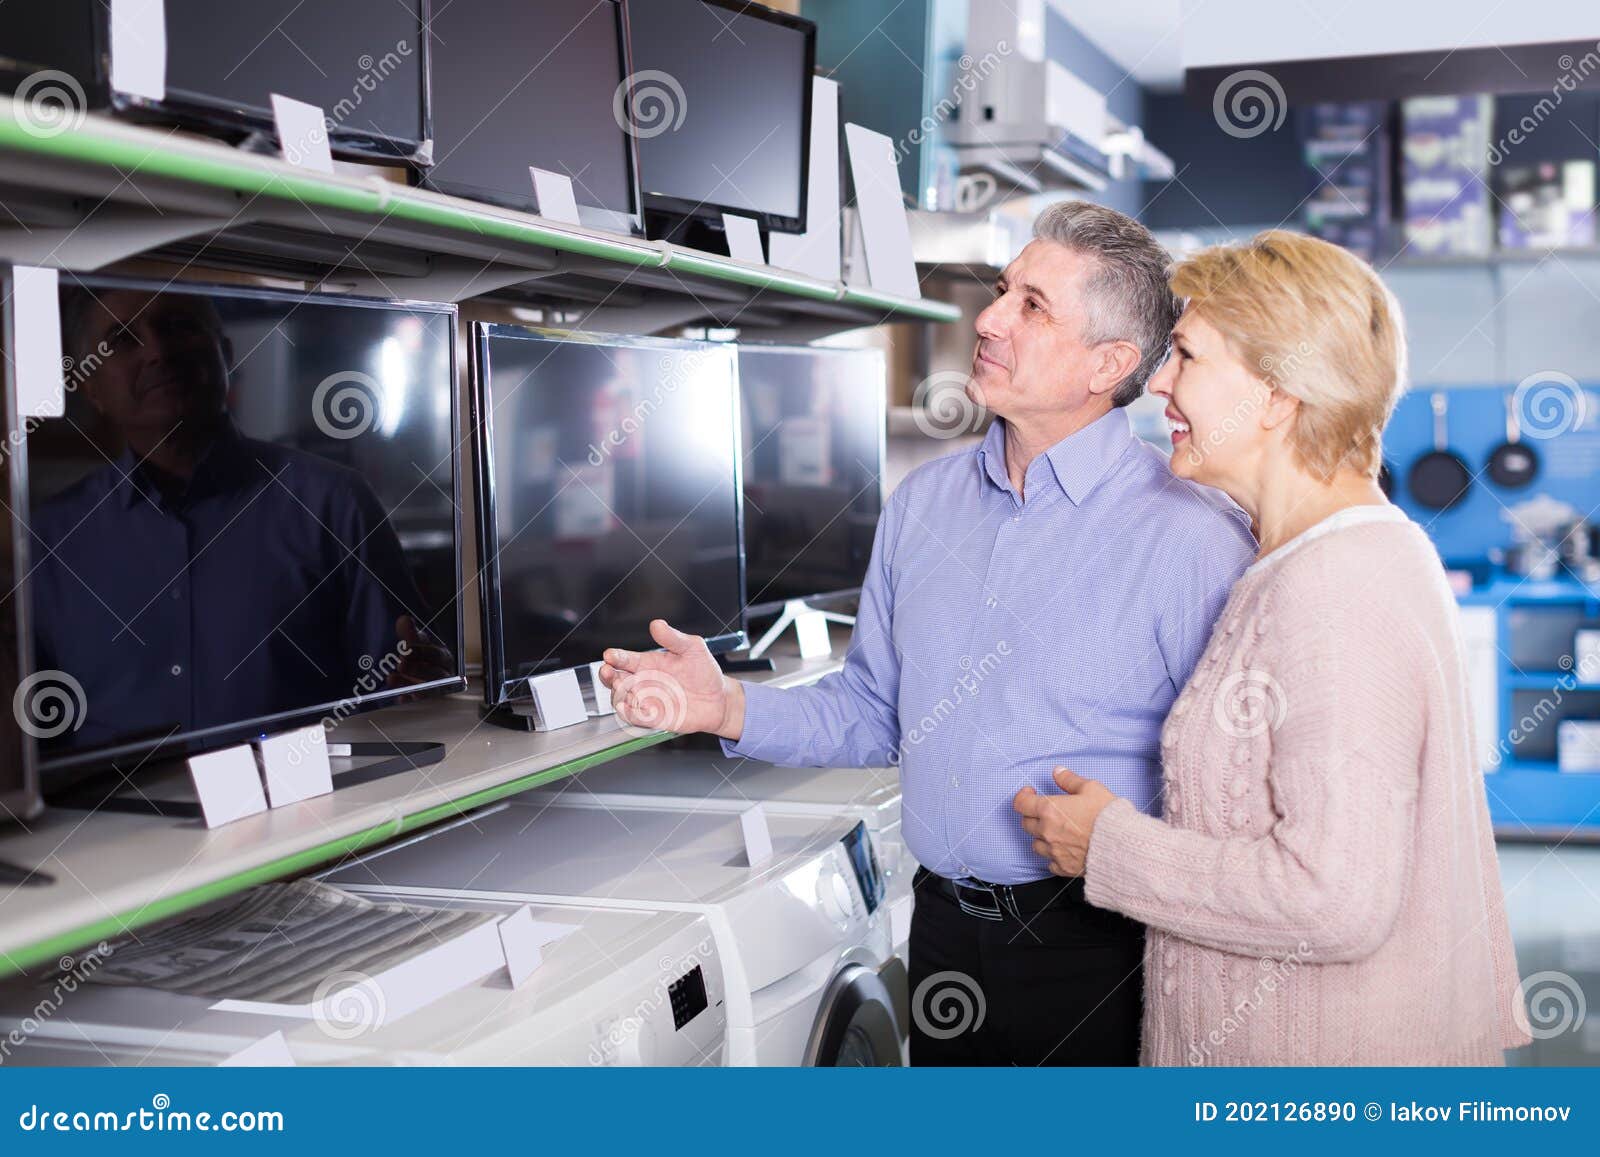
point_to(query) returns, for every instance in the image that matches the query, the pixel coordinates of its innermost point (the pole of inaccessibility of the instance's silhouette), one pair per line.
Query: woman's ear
(1280, 407)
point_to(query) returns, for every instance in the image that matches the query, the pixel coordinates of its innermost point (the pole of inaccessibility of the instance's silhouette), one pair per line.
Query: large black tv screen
(511, 90)
(608, 496)
(363, 62)
(247, 517)
(721, 106)
(813, 469)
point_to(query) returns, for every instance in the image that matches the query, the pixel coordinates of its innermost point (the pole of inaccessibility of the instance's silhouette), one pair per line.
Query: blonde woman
(1322, 888)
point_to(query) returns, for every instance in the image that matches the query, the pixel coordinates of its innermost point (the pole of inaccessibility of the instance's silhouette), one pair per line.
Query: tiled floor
(1553, 897)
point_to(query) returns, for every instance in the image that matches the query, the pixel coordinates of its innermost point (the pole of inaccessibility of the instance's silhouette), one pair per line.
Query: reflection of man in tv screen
(196, 577)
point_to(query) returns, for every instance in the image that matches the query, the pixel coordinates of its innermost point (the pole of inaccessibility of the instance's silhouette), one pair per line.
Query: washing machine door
(856, 1024)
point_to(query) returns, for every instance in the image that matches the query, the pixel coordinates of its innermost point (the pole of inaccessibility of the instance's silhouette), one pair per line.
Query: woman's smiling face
(1215, 406)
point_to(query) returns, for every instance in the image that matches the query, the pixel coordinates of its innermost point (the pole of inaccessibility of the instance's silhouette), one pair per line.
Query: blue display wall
(1538, 683)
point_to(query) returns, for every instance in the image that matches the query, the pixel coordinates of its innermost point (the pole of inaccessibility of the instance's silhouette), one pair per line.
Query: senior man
(1036, 601)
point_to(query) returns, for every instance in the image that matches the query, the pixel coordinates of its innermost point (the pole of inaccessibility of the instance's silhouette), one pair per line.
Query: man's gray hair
(1127, 297)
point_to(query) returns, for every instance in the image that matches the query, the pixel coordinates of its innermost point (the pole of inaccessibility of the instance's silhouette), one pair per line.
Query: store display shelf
(1534, 800)
(1547, 680)
(115, 872)
(94, 191)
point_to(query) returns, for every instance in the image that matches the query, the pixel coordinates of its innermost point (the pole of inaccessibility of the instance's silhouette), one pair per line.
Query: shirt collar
(1077, 463)
(221, 463)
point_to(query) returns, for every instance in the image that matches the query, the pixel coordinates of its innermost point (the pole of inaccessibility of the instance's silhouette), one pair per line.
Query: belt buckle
(990, 912)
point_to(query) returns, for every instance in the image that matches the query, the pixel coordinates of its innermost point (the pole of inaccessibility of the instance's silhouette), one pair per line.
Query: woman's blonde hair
(1315, 321)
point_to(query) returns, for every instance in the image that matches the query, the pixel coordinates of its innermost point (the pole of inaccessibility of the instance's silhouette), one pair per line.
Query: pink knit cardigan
(1323, 888)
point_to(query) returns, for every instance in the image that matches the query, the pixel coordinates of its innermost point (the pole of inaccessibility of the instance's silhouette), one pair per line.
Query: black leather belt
(998, 901)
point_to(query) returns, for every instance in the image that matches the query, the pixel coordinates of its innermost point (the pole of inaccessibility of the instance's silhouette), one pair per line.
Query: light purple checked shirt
(997, 639)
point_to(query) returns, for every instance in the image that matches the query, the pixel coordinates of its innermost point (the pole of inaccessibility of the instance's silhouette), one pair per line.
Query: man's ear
(1113, 362)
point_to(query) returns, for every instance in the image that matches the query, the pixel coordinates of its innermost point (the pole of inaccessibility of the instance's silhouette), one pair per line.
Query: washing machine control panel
(688, 995)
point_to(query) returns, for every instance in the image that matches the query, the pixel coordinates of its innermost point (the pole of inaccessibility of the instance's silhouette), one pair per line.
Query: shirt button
(1016, 518)
(176, 593)
(177, 669)
(990, 601)
(955, 781)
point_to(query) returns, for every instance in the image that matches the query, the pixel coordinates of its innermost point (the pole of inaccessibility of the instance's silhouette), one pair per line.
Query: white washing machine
(690, 772)
(625, 987)
(810, 975)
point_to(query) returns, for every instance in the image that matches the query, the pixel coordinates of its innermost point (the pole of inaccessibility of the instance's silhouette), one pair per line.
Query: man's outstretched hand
(679, 688)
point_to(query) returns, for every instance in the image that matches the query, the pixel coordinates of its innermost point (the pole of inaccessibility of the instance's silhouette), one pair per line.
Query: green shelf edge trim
(20, 959)
(83, 144)
(457, 808)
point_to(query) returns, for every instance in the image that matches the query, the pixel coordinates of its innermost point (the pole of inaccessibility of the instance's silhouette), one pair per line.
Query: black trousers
(1059, 986)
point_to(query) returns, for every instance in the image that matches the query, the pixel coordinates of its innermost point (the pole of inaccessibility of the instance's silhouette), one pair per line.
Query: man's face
(1030, 357)
(167, 365)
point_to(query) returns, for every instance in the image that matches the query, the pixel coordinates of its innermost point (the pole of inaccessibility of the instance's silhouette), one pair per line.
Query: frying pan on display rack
(1513, 464)
(1440, 478)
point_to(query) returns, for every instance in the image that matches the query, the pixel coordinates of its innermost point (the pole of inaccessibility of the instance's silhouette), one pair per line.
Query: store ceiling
(1156, 40)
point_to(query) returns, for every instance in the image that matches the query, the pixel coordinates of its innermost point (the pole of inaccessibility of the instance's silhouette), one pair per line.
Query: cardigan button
(1239, 818)
(1239, 970)
(1240, 998)
(1238, 787)
(1241, 754)
(1169, 985)
(1172, 803)
(1169, 958)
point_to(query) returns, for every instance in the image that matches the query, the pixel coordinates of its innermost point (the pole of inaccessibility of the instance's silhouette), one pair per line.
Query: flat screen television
(246, 519)
(511, 90)
(813, 470)
(37, 704)
(608, 496)
(363, 62)
(721, 106)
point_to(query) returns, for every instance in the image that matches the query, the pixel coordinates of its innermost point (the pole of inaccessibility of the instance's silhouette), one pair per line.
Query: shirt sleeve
(850, 718)
(1208, 566)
